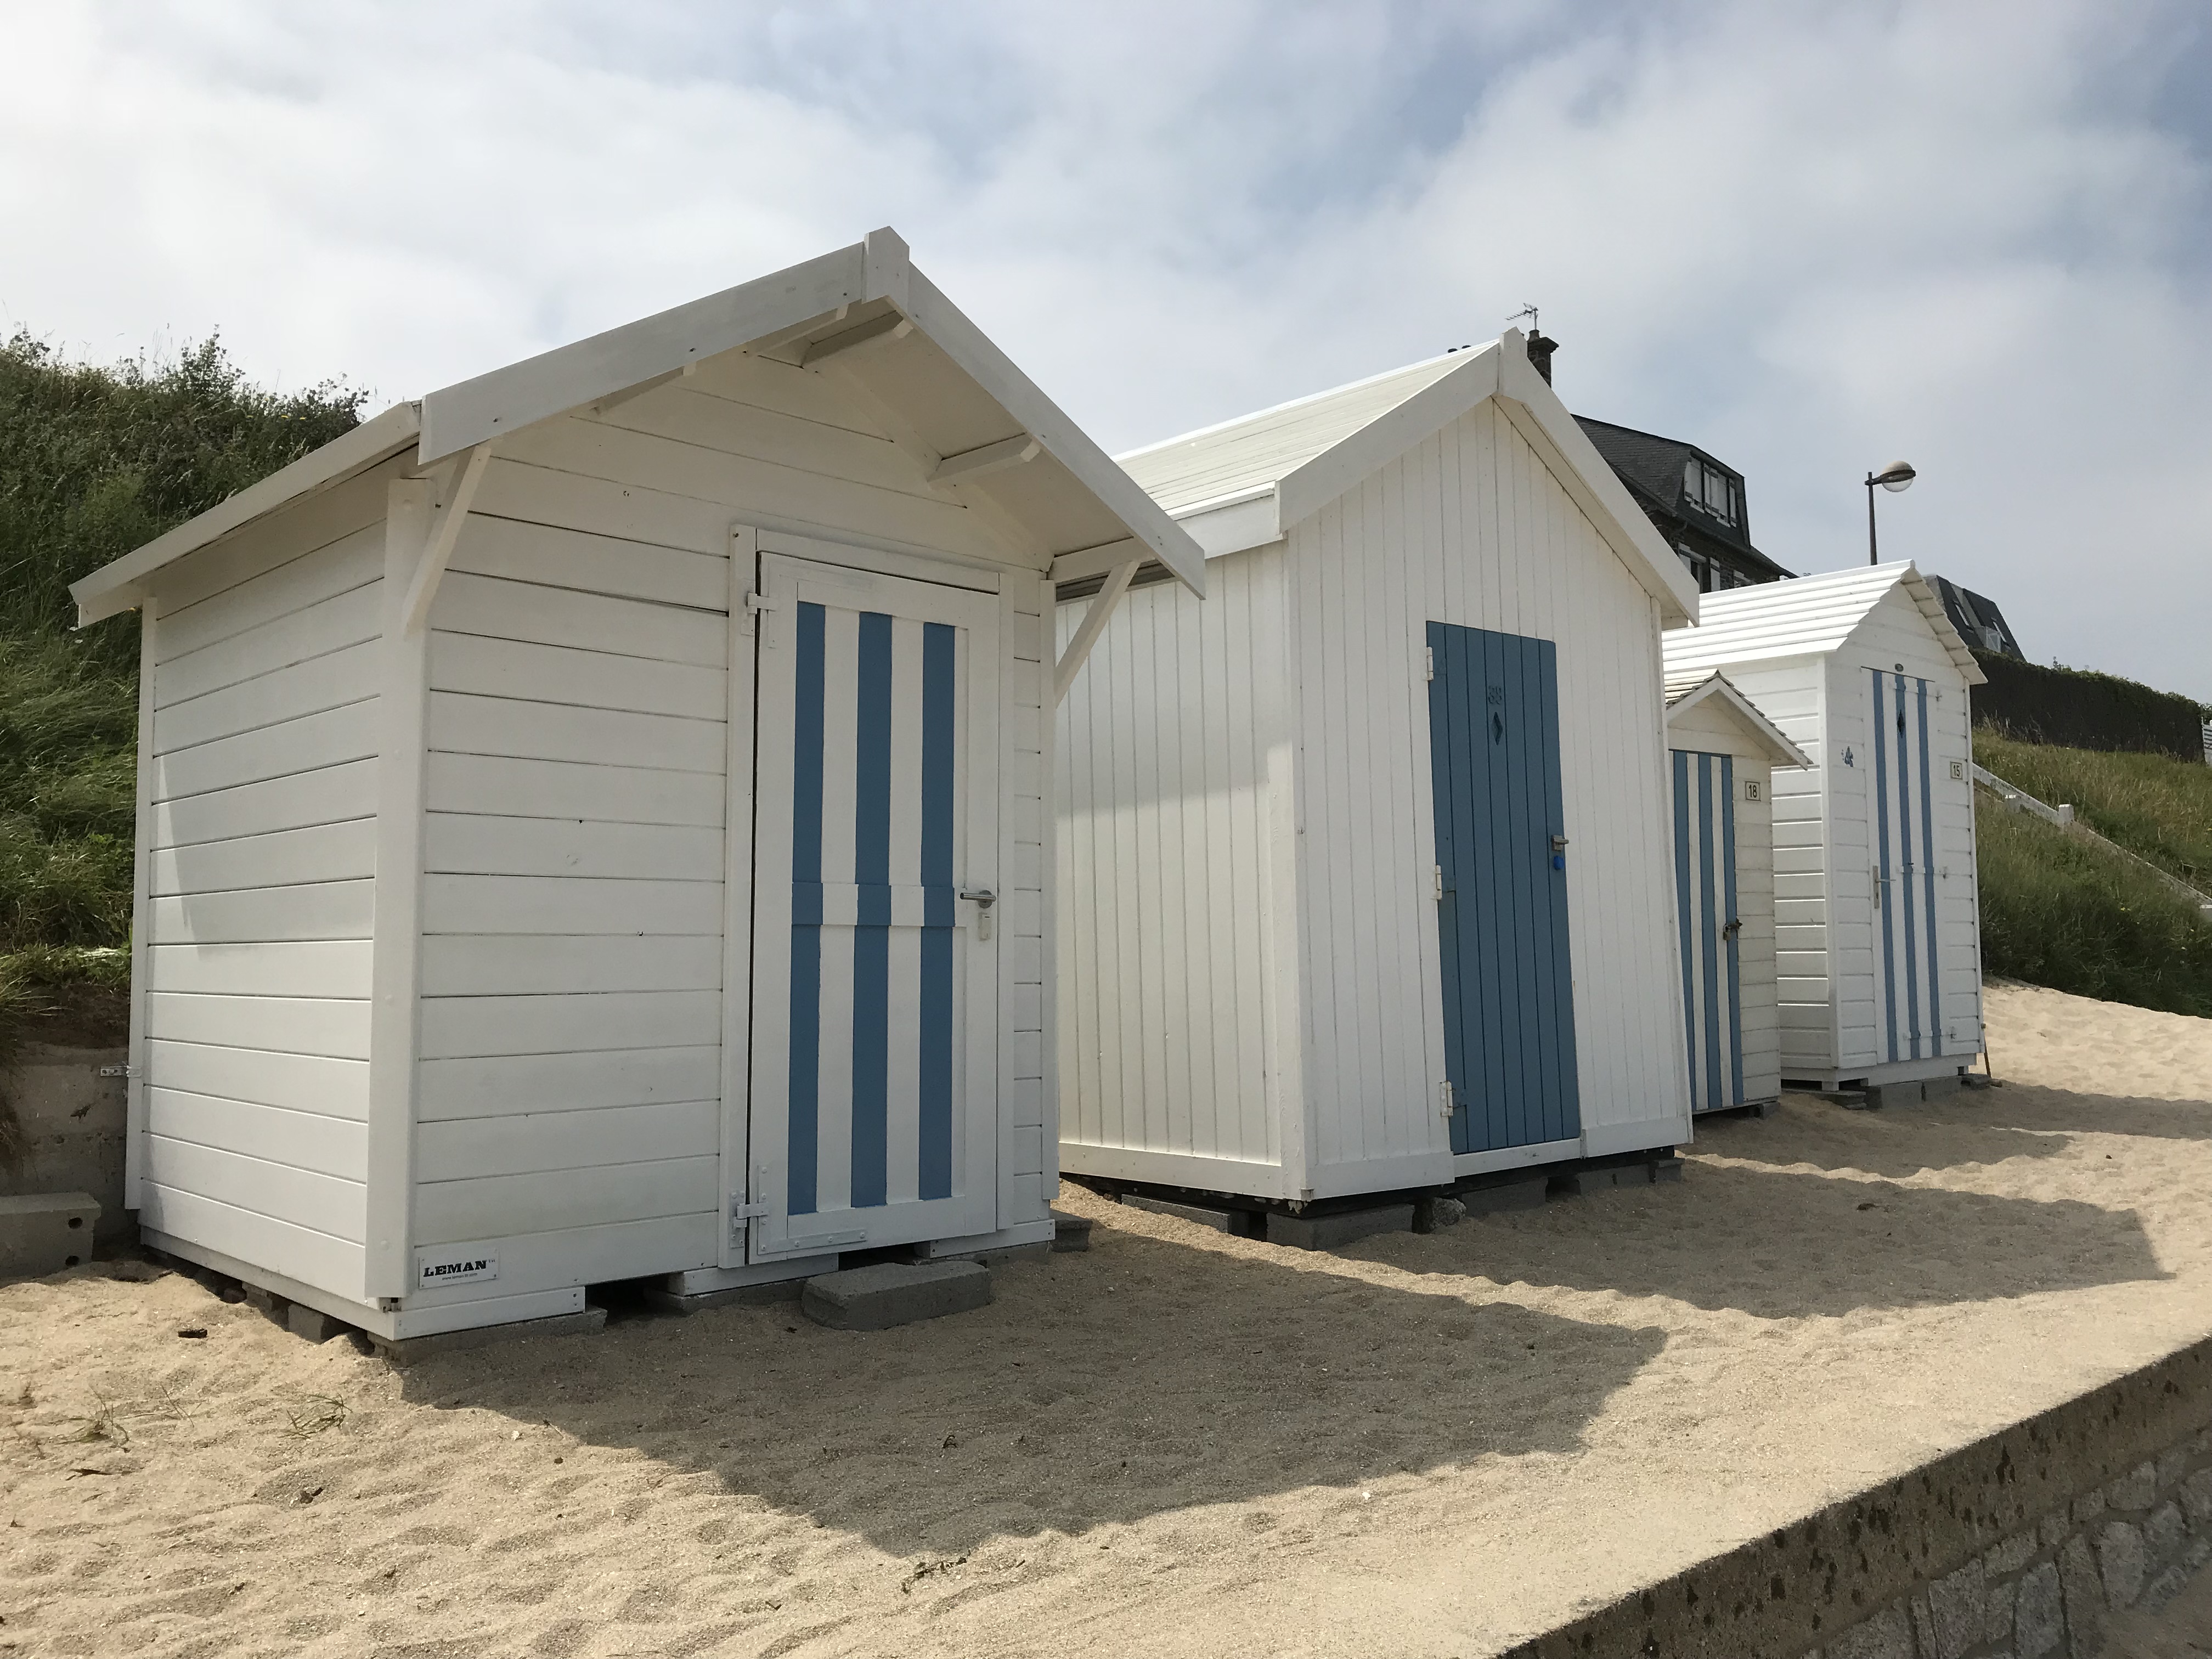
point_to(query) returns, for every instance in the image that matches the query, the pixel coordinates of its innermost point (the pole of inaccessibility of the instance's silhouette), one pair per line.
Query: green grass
(96, 460)
(2060, 911)
(2159, 808)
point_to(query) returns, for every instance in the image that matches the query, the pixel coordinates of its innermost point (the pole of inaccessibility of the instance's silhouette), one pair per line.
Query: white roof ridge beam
(112, 588)
(1313, 484)
(1590, 480)
(979, 359)
(1258, 415)
(1717, 686)
(461, 416)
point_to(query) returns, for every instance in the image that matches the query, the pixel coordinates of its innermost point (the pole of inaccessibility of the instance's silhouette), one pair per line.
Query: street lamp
(1898, 475)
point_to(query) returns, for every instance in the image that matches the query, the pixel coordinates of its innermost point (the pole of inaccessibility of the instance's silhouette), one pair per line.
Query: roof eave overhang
(119, 586)
(1544, 423)
(1930, 605)
(1718, 688)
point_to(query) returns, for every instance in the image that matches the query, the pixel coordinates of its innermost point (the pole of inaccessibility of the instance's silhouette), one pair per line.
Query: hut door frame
(1901, 835)
(1709, 924)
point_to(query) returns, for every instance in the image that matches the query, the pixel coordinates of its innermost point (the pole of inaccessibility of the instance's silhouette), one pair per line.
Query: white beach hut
(1364, 870)
(592, 820)
(1878, 931)
(1723, 752)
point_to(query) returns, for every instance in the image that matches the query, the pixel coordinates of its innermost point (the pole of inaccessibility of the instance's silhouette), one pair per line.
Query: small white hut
(1723, 752)
(1878, 930)
(591, 819)
(1364, 876)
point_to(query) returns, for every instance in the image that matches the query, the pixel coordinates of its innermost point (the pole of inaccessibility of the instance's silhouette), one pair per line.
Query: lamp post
(1898, 475)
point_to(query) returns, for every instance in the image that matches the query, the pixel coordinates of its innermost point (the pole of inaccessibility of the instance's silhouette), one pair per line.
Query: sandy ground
(2180, 1630)
(1178, 1444)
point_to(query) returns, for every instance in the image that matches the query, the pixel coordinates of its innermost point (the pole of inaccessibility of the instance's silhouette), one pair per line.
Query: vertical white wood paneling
(734, 1124)
(141, 873)
(1792, 694)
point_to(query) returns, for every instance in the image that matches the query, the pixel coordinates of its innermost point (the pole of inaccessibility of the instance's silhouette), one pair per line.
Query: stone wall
(2022, 1546)
(71, 1120)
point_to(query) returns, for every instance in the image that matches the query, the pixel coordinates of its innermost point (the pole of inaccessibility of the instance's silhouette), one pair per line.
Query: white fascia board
(1930, 605)
(1718, 688)
(507, 399)
(972, 350)
(1537, 413)
(114, 587)
(1308, 488)
(1253, 520)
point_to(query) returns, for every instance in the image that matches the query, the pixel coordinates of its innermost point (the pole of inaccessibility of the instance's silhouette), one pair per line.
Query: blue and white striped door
(1908, 1000)
(874, 1032)
(1707, 922)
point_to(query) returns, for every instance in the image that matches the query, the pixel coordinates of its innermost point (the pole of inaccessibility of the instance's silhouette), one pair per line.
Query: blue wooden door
(1706, 917)
(874, 1083)
(1909, 1009)
(1508, 1002)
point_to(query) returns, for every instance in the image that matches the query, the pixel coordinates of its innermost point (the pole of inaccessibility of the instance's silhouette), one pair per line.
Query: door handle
(1559, 852)
(1734, 926)
(984, 898)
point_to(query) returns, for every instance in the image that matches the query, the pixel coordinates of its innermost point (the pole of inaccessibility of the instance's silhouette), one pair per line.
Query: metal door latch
(1559, 852)
(1734, 926)
(984, 899)
(741, 1212)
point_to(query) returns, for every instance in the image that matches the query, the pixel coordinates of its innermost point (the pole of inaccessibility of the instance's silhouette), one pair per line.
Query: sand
(1180, 1443)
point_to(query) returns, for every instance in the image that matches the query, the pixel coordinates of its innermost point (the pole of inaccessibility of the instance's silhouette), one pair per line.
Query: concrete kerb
(891, 1293)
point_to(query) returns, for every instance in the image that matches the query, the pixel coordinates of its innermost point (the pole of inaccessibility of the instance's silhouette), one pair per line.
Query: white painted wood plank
(324, 1204)
(344, 677)
(301, 969)
(494, 1206)
(737, 428)
(566, 1258)
(284, 592)
(279, 538)
(315, 910)
(313, 1083)
(558, 674)
(466, 725)
(295, 1025)
(456, 1028)
(568, 904)
(490, 964)
(312, 1257)
(333, 794)
(326, 852)
(461, 1149)
(569, 1082)
(319, 629)
(506, 610)
(559, 789)
(318, 1142)
(475, 844)
(308, 744)
(557, 557)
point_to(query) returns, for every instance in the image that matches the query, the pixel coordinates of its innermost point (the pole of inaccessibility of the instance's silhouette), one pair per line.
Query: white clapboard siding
(583, 622)
(283, 538)
(316, 910)
(345, 676)
(490, 1205)
(290, 1025)
(304, 1198)
(462, 1027)
(337, 1088)
(299, 636)
(479, 844)
(475, 663)
(305, 1254)
(331, 795)
(319, 1142)
(589, 1138)
(562, 789)
(504, 1085)
(249, 609)
(462, 725)
(494, 964)
(568, 904)
(552, 557)
(310, 744)
(284, 858)
(300, 967)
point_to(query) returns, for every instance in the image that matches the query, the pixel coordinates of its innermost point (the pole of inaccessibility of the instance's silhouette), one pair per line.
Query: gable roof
(1245, 481)
(1808, 616)
(1696, 690)
(868, 293)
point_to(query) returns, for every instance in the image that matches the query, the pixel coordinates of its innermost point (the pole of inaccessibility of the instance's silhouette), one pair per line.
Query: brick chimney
(1539, 356)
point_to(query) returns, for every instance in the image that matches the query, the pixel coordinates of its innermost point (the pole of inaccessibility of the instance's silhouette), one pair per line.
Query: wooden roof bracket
(1093, 624)
(450, 498)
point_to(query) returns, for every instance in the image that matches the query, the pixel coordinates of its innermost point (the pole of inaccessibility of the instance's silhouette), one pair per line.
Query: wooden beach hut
(1878, 936)
(591, 819)
(1366, 878)
(1722, 753)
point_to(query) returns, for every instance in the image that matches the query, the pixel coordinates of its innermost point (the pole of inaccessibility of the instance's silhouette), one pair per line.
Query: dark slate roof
(1979, 623)
(1652, 466)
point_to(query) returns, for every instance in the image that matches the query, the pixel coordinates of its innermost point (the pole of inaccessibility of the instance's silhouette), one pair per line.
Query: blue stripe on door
(1928, 879)
(936, 1012)
(1502, 925)
(1881, 868)
(1710, 927)
(1686, 933)
(871, 939)
(806, 1082)
(1910, 907)
(1735, 939)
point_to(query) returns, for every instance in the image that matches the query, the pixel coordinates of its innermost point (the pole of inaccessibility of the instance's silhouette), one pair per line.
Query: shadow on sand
(1142, 1377)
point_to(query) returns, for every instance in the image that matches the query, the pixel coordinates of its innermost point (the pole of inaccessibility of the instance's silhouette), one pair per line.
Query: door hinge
(761, 608)
(1444, 1098)
(1428, 662)
(1439, 871)
(118, 1071)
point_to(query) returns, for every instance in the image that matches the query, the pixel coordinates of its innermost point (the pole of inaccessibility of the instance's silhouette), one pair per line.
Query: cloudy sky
(1811, 239)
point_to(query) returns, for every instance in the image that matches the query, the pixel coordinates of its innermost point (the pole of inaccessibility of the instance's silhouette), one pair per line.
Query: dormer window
(1714, 490)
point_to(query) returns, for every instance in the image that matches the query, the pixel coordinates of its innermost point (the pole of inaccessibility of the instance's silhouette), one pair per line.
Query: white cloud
(1975, 235)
